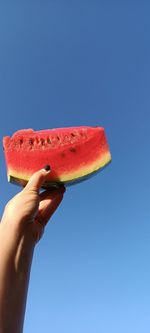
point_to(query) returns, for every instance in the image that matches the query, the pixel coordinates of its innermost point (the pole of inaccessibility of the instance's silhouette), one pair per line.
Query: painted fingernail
(47, 167)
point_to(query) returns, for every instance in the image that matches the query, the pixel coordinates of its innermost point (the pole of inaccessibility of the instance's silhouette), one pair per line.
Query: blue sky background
(70, 63)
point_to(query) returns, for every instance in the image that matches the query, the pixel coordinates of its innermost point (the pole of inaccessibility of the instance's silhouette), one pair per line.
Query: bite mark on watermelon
(74, 153)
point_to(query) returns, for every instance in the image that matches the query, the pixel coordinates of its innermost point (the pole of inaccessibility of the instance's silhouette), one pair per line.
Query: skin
(21, 227)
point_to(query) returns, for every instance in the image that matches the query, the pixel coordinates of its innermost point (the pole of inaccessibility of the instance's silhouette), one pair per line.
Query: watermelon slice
(74, 153)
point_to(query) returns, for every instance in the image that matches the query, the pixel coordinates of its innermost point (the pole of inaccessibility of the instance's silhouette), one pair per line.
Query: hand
(29, 211)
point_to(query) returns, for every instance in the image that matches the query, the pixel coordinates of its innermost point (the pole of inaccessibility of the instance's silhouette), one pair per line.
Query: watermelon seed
(42, 142)
(21, 141)
(58, 138)
(48, 140)
(72, 149)
(72, 134)
(31, 142)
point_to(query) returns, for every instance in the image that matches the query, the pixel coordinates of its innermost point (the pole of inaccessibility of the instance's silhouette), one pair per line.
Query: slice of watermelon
(74, 153)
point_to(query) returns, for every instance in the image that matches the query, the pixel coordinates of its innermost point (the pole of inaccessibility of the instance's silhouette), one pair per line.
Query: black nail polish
(47, 167)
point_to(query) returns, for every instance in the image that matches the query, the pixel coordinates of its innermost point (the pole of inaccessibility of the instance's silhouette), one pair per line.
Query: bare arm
(22, 225)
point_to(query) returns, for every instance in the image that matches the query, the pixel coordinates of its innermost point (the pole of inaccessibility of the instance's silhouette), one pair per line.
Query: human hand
(28, 212)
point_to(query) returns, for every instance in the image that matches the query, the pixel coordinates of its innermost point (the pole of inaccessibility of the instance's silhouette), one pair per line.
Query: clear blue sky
(70, 63)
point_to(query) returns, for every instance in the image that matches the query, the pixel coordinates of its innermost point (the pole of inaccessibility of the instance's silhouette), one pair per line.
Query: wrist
(16, 249)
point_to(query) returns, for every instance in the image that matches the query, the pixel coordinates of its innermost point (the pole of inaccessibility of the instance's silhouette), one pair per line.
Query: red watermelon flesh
(73, 153)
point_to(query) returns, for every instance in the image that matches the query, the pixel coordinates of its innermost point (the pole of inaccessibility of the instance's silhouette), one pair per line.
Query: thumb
(37, 179)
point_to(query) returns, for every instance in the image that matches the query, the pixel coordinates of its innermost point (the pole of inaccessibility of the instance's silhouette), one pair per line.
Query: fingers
(51, 192)
(48, 205)
(43, 205)
(38, 179)
(47, 209)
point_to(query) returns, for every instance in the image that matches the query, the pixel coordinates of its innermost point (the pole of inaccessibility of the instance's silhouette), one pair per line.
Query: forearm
(15, 263)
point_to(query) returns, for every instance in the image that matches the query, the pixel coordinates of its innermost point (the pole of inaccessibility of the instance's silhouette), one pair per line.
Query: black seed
(72, 149)
(48, 140)
(31, 141)
(21, 141)
(42, 142)
(72, 134)
(58, 138)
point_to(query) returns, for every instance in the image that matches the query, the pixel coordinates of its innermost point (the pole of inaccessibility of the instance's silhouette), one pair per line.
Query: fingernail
(47, 167)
